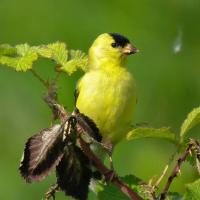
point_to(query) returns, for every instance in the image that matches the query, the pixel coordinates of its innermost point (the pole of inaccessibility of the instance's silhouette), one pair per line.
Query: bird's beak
(129, 49)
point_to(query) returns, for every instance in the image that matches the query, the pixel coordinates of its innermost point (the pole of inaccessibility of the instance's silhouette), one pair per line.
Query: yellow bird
(107, 92)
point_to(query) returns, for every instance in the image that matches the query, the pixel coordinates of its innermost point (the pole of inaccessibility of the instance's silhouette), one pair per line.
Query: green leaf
(22, 56)
(192, 191)
(174, 196)
(198, 165)
(23, 60)
(78, 60)
(144, 132)
(6, 49)
(132, 181)
(111, 192)
(191, 160)
(193, 118)
(59, 53)
(43, 51)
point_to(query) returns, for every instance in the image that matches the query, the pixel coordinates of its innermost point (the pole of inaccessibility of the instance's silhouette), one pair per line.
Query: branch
(177, 168)
(50, 98)
(109, 174)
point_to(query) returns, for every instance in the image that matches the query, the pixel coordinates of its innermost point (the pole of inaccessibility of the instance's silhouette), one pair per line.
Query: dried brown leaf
(74, 173)
(42, 154)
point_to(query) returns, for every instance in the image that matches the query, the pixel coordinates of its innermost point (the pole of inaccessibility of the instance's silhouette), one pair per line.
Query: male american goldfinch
(107, 92)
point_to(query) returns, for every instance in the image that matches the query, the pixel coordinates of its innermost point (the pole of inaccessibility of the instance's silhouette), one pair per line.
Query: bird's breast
(108, 98)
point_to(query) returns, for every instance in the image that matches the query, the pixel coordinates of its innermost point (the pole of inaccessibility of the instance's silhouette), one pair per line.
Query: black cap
(120, 40)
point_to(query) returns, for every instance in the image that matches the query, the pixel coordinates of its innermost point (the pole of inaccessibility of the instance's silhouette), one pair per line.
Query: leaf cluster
(21, 57)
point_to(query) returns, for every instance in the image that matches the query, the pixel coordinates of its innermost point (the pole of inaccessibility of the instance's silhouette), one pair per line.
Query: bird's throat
(100, 63)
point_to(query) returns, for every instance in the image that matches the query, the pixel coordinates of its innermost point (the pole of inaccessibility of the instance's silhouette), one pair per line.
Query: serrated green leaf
(113, 193)
(174, 196)
(131, 180)
(138, 186)
(144, 132)
(59, 53)
(22, 56)
(191, 160)
(23, 60)
(193, 118)
(81, 59)
(192, 191)
(78, 60)
(6, 49)
(43, 51)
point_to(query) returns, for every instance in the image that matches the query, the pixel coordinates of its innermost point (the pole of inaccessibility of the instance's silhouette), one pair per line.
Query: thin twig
(51, 192)
(157, 183)
(36, 75)
(176, 169)
(155, 186)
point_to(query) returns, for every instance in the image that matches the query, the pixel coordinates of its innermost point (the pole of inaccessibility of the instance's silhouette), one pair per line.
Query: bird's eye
(114, 45)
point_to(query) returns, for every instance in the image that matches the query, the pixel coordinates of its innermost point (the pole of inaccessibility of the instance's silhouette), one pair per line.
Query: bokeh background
(167, 71)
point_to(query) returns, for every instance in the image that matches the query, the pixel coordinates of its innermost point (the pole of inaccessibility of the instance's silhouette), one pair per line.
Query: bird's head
(110, 48)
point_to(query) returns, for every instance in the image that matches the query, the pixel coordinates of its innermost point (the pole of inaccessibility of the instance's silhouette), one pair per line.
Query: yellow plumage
(107, 93)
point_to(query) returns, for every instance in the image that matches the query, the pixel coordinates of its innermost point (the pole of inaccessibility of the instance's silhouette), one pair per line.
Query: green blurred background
(167, 72)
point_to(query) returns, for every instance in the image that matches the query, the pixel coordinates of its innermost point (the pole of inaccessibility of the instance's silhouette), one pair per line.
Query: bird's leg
(111, 162)
(110, 175)
(110, 159)
(108, 146)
